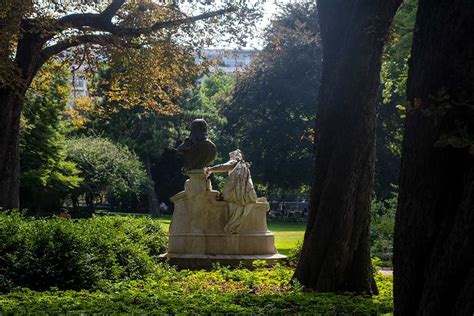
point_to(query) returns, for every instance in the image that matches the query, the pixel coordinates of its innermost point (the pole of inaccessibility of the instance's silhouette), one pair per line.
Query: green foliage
(108, 265)
(76, 254)
(382, 228)
(394, 70)
(206, 101)
(144, 130)
(221, 291)
(46, 175)
(294, 254)
(272, 108)
(106, 168)
(391, 111)
(214, 91)
(152, 134)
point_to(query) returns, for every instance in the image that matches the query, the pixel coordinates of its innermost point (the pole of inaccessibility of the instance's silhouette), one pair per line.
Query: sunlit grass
(165, 221)
(287, 234)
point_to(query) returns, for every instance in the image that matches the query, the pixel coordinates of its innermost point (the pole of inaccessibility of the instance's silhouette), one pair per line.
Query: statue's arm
(228, 166)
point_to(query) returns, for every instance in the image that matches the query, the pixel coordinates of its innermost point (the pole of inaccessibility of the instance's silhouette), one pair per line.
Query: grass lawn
(165, 221)
(287, 234)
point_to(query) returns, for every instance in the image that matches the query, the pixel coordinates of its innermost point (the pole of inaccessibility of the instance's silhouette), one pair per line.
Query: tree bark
(10, 111)
(27, 61)
(150, 191)
(336, 253)
(434, 228)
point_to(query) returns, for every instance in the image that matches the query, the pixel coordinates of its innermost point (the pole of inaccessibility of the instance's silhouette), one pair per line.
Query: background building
(229, 61)
(79, 84)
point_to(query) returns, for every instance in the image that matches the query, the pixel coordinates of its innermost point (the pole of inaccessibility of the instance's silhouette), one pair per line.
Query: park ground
(108, 264)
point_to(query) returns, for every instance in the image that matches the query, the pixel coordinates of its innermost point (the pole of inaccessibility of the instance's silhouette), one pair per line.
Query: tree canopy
(32, 32)
(272, 107)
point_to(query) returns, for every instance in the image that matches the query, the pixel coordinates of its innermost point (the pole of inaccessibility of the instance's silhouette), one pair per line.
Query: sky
(255, 41)
(270, 8)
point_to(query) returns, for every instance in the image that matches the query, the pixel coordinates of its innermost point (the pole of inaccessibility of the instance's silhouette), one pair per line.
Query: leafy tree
(336, 252)
(46, 175)
(213, 92)
(136, 114)
(150, 132)
(394, 71)
(434, 235)
(108, 170)
(32, 32)
(204, 102)
(271, 110)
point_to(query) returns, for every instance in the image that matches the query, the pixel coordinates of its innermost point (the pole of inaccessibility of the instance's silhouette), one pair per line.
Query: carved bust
(198, 151)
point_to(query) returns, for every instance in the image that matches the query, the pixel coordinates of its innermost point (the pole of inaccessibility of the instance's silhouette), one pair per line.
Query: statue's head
(236, 155)
(198, 130)
(197, 150)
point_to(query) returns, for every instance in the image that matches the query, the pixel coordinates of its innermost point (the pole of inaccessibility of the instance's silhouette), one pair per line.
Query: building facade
(230, 61)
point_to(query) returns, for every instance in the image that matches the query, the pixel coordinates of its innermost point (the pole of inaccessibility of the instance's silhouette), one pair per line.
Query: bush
(76, 254)
(108, 265)
(221, 291)
(294, 254)
(106, 168)
(382, 229)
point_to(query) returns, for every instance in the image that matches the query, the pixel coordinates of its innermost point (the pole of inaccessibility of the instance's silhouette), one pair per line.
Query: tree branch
(112, 9)
(176, 22)
(50, 51)
(102, 21)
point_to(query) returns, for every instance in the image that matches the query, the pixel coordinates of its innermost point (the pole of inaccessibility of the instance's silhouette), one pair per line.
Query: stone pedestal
(197, 238)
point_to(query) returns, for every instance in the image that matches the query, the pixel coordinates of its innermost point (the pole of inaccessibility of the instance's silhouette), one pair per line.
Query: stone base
(196, 261)
(223, 244)
(197, 236)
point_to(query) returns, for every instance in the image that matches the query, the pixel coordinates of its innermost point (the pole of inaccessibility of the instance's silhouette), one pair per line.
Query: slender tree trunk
(434, 230)
(336, 253)
(90, 203)
(151, 193)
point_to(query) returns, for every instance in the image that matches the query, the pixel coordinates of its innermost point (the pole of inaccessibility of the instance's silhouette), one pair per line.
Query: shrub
(382, 228)
(221, 291)
(294, 254)
(76, 254)
(106, 168)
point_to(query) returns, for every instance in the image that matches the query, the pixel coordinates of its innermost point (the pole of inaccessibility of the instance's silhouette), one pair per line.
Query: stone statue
(238, 190)
(198, 151)
(208, 226)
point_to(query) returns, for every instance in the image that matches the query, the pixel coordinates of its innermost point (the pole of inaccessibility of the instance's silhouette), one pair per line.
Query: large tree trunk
(12, 94)
(10, 110)
(434, 231)
(336, 253)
